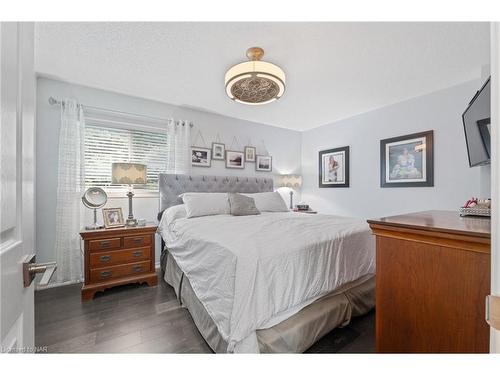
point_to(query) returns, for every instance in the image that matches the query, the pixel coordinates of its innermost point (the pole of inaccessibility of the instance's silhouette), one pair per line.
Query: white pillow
(269, 201)
(173, 213)
(204, 204)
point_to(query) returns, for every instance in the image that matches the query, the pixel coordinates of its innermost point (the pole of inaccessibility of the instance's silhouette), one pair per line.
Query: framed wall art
(407, 161)
(200, 156)
(334, 168)
(263, 163)
(235, 159)
(218, 151)
(250, 154)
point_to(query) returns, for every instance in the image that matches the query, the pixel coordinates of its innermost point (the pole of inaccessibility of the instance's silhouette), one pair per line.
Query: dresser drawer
(102, 274)
(105, 244)
(108, 258)
(135, 241)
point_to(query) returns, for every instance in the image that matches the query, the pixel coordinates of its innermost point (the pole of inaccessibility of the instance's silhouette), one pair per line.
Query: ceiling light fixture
(255, 82)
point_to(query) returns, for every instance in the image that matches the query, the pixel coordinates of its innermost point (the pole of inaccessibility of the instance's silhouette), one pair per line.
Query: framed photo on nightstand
(113, 217)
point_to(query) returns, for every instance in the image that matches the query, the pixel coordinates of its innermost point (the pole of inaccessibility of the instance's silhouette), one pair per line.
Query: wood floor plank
(142, 319)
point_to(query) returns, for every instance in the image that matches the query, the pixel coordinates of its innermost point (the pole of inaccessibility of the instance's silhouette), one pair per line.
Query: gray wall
(454, 181)
(292, 152)
(284, 146)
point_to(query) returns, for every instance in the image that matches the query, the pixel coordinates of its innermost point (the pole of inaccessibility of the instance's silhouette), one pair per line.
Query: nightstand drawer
(108, 273)
(105, 244)
(107, 258)
(134, 241)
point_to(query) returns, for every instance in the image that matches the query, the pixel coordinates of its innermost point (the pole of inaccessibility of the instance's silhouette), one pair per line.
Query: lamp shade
(128, 174)
(255, 82)
(289, 180)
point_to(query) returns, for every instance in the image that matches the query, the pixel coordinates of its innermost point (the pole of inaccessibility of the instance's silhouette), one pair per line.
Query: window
(106, 145)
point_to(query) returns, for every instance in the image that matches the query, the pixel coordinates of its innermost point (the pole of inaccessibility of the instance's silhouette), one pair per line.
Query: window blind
(107, 145)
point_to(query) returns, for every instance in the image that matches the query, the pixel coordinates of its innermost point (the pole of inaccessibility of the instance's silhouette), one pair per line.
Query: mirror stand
(95, 225)
(94, 198)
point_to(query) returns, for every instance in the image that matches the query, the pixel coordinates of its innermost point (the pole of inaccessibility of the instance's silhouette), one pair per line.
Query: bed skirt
(293, 335)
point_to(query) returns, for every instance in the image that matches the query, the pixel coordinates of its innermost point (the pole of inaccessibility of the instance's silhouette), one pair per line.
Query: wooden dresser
(433, 275)
(118, 256)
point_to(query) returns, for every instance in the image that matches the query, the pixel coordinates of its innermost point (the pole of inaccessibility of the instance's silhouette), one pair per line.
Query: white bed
(254, 272)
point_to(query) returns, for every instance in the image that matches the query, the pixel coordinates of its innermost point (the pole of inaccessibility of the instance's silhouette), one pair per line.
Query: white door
(17, 168)
(495, 174)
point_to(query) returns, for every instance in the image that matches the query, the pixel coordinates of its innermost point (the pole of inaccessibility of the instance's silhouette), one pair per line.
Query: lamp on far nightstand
(129, 174)
(292, 181)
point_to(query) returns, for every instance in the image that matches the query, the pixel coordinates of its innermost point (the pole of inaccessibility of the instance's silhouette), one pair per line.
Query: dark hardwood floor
(141, 319)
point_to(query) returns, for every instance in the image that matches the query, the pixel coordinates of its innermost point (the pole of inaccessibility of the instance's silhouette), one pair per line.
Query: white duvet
(252, 272)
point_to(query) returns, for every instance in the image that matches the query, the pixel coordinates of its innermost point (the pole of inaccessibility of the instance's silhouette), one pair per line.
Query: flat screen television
(476, 119)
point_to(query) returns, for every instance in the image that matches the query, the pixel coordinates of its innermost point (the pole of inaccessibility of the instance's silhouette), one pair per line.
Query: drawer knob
(105, 274)
(105, 243)
(137, 240)
(137, 253)
(105, 258)
(137, 269)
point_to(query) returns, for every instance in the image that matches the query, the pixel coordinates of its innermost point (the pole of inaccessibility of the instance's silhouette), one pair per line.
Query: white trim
(122, 193)
(56, 284)
(495, 174)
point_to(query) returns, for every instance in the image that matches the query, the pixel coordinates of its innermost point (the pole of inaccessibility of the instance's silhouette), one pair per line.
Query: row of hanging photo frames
(405, 161)
(203, 156)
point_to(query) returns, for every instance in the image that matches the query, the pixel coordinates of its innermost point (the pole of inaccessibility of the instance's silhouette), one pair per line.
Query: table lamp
(129, 174)
(292, 181)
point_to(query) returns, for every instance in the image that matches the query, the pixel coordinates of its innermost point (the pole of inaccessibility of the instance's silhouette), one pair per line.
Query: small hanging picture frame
(250, 154)
(218, 149)
(264, 163)
(200, 156)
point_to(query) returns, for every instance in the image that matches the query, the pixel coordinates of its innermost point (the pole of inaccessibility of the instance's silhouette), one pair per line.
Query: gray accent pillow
(241, 205)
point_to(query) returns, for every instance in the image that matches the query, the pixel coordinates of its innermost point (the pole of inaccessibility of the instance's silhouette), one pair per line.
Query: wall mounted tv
(476, 119)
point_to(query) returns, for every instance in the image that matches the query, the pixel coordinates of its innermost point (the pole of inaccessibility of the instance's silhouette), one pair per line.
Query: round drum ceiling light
(255, 82)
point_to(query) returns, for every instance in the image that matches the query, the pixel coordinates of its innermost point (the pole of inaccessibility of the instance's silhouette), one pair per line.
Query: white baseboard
(55, 285)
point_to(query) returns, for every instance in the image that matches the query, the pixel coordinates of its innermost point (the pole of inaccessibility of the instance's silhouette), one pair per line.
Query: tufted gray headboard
(172, 185)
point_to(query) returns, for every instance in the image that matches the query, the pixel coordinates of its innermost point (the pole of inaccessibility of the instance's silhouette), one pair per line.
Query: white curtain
(179, 136)
(70, 186)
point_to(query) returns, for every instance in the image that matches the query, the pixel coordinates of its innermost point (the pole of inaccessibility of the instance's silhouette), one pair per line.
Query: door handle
(31, 268)
(493, 311)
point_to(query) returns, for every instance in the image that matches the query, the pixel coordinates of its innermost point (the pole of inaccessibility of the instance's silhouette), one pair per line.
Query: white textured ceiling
(334, 70)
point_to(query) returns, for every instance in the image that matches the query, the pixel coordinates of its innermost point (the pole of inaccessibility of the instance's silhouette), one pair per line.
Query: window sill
(137, 194)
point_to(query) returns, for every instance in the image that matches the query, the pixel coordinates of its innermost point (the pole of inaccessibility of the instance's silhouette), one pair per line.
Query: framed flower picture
(407, 161)
(263, 163)
(200, 156)
(334, 168)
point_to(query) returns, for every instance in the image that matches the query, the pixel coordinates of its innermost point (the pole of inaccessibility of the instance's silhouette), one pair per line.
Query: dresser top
(119, 230)
(439, 221)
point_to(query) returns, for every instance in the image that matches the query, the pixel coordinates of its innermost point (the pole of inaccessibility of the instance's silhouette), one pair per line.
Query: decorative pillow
(241, 205)
(205, 204)
(269, 201)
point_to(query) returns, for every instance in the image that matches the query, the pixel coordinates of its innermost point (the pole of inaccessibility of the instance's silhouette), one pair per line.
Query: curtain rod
(53, 101)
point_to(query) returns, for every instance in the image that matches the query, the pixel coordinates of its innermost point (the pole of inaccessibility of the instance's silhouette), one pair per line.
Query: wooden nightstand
(118, 256)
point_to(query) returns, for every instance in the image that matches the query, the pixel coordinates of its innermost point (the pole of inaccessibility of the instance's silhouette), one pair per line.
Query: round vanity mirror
(94, 198)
